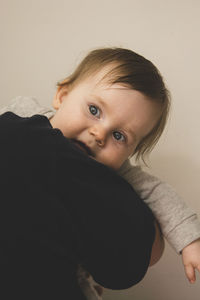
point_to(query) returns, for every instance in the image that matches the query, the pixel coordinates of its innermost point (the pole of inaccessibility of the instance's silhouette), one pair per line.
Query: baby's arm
(179, 223)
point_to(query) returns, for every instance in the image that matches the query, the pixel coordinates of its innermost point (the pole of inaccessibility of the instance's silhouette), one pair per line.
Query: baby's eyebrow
(131, 132)
(100, 100)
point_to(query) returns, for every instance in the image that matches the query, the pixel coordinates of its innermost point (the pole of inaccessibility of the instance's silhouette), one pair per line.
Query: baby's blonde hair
(134, 71)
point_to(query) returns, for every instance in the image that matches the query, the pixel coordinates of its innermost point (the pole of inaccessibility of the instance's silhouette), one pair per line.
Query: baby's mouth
(83, 147)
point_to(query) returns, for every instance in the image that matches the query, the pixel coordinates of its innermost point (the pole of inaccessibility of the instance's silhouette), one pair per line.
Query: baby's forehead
(99, 83)
(106, 86)
(103, 76)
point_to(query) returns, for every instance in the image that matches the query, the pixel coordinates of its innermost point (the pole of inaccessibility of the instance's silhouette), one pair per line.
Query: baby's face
(106, 122)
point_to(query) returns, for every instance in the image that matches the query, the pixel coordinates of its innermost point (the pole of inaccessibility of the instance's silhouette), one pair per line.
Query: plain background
(43, 40)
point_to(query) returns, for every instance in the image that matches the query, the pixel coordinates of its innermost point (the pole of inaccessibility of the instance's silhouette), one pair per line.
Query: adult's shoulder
(13, 120)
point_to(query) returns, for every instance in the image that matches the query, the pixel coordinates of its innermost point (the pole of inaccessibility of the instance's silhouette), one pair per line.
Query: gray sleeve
(179, 223)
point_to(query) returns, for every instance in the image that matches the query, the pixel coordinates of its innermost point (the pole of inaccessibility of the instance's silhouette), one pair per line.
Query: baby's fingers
(190, 273)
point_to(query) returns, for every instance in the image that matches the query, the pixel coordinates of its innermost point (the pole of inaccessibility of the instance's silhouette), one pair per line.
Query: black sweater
(60, 208)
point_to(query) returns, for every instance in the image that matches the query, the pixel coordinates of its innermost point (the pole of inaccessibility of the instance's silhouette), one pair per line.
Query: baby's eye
(119, 136)
(94, 110)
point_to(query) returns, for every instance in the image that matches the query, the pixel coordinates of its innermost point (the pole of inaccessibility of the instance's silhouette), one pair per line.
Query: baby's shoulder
(26, 106)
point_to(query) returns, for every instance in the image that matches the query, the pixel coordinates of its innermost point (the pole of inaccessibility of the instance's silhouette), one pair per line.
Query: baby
(115, 105)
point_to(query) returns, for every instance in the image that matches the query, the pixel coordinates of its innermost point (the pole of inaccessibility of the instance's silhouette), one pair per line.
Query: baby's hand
(191, 259)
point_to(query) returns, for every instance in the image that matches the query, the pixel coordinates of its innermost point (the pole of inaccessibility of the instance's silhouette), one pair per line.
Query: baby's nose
(99, 134)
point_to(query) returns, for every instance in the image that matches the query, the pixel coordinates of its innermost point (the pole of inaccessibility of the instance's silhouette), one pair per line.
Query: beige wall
(41, 42)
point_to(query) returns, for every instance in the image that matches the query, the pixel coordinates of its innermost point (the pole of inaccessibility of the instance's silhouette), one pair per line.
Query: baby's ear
(59, 96)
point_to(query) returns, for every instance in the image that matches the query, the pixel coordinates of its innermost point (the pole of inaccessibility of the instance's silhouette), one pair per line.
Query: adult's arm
(79, 211)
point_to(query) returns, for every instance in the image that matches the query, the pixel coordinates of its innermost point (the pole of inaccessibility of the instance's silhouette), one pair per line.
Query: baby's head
(113, 106)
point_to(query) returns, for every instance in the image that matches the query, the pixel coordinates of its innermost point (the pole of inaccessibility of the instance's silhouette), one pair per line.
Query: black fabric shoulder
(38, 120)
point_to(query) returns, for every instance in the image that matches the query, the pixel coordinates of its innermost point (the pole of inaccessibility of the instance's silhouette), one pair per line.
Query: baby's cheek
(114, 161)
(74, 127)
